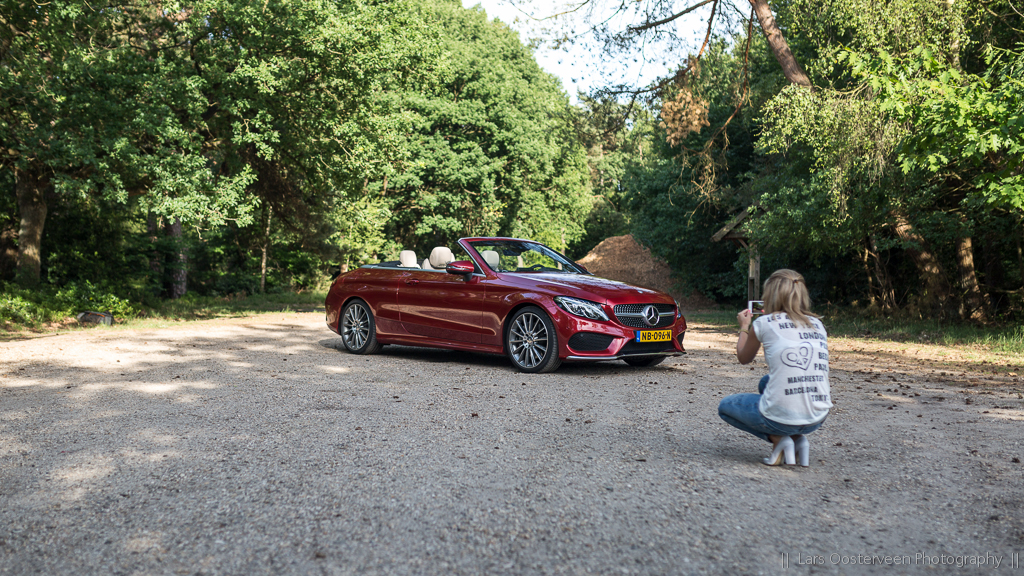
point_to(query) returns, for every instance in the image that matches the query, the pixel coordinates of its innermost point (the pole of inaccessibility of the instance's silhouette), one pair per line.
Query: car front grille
(632, 315)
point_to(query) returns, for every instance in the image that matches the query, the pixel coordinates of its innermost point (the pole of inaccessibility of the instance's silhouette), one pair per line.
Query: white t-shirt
(797, 392)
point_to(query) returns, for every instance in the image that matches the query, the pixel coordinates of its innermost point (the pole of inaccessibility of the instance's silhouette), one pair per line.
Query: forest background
(167, 151)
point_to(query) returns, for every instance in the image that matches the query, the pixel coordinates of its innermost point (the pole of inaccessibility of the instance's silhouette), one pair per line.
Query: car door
(442, 306)
(379, 288)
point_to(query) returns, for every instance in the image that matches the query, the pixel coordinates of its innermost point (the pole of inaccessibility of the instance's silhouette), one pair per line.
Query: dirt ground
(257, 446)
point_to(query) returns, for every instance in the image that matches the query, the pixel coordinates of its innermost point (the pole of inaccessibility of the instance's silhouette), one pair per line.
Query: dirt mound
(622, 258)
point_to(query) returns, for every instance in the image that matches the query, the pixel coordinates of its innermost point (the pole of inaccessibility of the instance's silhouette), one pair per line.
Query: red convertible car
(503, 296)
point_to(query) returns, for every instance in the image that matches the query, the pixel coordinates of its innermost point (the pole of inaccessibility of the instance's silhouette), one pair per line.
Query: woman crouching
(793, 399)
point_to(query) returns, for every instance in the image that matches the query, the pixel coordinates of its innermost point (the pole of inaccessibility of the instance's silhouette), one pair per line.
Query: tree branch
(746, 83)
(650, 25)
(532, 17)
(777, 42)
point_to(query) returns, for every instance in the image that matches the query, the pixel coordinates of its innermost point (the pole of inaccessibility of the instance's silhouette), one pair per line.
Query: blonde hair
(786, 291)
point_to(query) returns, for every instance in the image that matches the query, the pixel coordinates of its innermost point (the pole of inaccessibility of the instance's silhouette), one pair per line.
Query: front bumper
(622, 339)
(621, 356)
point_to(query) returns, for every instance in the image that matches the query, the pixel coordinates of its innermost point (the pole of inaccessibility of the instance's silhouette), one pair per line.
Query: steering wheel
(535, 268)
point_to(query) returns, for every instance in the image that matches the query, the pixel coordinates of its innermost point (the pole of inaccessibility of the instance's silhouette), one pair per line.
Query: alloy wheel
(355, 327)
(528, 340)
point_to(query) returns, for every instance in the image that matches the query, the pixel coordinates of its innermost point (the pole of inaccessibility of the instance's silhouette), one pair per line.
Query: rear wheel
(358, 330)
(644, 361)
(531, 341)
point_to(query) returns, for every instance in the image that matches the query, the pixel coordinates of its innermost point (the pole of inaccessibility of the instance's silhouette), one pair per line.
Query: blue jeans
(741, 411)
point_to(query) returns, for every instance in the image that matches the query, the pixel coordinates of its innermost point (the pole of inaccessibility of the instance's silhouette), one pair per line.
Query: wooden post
(733, 232)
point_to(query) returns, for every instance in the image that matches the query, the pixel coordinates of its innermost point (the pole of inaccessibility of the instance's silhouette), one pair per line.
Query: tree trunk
(936, 288)
(179, 272)
(8, 252)
(872, 301)
(780, 48)
(155, 262)
(30, 189)
(972, 305)
(994, 278)
(1020, 258)
(266, 246)
(886, 294)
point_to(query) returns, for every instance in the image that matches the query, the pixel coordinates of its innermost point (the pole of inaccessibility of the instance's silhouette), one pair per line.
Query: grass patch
(717, 318)
(206, 307)
(1006, 339)
(41, 311)
(1000, 339)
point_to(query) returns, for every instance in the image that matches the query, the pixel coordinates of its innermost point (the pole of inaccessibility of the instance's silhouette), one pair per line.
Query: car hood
(589, 288)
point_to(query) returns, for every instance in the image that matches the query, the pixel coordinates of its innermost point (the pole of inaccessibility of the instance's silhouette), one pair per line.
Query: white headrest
(441, 257)
(426, 265)
(407, 259)
(491, 257)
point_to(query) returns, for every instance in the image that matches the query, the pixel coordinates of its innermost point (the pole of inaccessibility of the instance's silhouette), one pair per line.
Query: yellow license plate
(653, 335)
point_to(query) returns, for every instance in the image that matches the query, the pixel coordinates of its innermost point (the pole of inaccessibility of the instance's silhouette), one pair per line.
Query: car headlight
(679, 310)
(578, 307)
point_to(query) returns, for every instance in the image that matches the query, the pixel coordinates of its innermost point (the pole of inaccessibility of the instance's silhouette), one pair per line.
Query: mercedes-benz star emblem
(651, 315)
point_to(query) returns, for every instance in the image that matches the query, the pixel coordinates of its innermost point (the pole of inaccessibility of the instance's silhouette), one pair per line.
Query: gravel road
(257, 446)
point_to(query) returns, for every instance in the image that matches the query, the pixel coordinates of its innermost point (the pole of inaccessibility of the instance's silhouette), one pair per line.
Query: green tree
(852, 181)
(85, 108)
(491, 150)
(614, 135)
(202, 109)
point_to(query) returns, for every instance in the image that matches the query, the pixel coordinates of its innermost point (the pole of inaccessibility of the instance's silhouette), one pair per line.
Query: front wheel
(358, 330)
(644, 361)
(531, 341)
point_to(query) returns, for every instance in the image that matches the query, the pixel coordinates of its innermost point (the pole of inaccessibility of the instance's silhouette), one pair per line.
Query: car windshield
(521, 256)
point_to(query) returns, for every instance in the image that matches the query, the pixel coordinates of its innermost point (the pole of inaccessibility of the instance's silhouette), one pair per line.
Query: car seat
(492, 259)
(407, 259)
(440, 257)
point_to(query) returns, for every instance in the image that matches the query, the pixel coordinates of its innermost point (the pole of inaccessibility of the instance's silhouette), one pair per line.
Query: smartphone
(756, 307)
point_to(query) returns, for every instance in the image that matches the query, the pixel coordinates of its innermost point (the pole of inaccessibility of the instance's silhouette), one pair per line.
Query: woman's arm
(748, 344)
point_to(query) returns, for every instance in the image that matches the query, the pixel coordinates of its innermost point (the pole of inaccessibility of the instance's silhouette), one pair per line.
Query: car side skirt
(426, 342)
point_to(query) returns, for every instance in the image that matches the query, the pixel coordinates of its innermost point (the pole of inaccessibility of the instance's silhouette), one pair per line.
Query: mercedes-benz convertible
(503, 296)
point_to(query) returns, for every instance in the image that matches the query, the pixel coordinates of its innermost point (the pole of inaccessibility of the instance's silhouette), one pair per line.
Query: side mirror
(460, 267)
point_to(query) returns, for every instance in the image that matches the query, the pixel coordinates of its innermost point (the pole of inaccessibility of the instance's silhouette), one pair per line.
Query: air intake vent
(590, 341)
(646, 347)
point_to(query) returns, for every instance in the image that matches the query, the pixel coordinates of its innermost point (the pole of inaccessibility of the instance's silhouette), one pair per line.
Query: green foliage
(679, 197)
(677, 226)
(22, 307)
(79, 297)
(101, 128)
(340, 131)
(99, 241)
(971, 126)
(15, 309)
(820, 31)
(204, 112)
(830, 185)
(904, 135)
(614, 136)
(490, 151)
